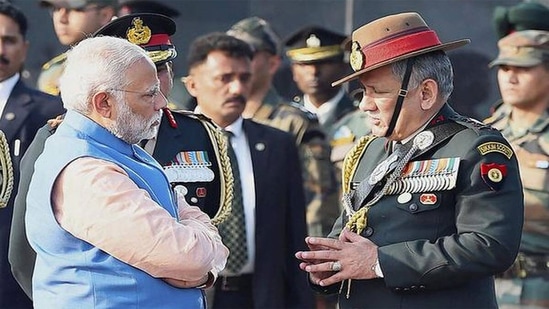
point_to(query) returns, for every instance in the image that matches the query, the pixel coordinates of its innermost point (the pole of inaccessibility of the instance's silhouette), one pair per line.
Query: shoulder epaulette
(496, 113)
(471, 123)
(300, 107)
(192, 114)
(54, 60)
(297, 99)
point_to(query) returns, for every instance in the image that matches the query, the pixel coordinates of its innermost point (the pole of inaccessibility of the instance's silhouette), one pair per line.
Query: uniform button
(421, 286)
(406, 289)
(413, 207)
(369, 231)
(397, 289)
(194, 200)
(413, 287)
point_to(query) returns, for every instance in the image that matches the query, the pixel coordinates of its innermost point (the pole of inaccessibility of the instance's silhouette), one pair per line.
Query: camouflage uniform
(527, 281)
(48, 80)
(318, 174)
(532, 149)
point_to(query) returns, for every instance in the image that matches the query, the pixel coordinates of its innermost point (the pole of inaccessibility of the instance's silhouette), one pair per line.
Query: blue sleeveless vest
(71, 273)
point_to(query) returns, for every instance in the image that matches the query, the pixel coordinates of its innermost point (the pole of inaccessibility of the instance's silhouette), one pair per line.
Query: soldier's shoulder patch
(55, 60)
(490, 147)
(342, 135)
(493, 174)
(298, 99)
(190, 114)
(473, 124)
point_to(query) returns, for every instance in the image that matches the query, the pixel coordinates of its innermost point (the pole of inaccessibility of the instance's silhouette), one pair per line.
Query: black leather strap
(401, 96)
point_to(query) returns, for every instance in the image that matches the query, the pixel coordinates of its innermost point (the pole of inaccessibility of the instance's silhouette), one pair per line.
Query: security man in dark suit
(434, 202)
(265, 106)
(189, 147)
(269, 220)
(23, 111)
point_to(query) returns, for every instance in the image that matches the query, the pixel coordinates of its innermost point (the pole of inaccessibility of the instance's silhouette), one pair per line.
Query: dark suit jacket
(25, 112)
(279, 219)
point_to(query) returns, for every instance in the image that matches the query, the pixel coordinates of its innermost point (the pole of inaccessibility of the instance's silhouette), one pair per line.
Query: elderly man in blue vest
(101, 215)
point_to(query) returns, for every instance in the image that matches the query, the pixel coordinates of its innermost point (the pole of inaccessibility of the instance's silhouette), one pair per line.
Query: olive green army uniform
(528, 279)
(318, 174)
(440, 240)
(48, 80)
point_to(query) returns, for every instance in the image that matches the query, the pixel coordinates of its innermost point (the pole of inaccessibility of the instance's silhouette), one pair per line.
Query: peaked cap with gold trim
(390, 39)
(314, 44)
(150, 31)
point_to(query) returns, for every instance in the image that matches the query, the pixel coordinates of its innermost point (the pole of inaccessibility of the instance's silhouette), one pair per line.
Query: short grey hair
(434, 65)
(94, 65)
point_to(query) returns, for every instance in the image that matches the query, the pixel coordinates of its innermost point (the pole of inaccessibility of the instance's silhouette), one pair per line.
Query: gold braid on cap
(226, 179)
(139, 34)
(6, 169)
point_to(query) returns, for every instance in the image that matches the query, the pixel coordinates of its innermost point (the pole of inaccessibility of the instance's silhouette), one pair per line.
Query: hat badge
(356, 58)
(139, 34)
(313, 41)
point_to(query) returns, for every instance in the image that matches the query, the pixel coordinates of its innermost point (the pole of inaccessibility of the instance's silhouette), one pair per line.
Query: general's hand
(303, 256)
(355, 254)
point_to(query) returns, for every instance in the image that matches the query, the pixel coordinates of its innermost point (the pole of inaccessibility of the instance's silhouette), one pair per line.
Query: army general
(434, 203)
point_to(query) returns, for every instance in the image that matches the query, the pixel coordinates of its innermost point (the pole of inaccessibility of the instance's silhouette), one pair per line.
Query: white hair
(94, 65)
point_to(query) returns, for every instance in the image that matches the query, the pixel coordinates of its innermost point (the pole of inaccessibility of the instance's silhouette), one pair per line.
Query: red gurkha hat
(390, 39)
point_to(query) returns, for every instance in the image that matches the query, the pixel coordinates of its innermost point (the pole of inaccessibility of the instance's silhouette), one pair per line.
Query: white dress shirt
(5, 90)
(324, 110)
(241, 148)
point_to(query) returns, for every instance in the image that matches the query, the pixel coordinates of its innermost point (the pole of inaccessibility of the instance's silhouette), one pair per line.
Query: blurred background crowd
(476, 87)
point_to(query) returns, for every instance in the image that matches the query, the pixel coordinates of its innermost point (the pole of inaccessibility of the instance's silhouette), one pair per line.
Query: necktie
(233, 230)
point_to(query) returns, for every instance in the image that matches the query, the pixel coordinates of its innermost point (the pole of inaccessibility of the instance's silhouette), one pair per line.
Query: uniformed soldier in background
(265, 106)
(73, 20)
(317, 56)
(191, 150)
(523, 118)
(434, 199)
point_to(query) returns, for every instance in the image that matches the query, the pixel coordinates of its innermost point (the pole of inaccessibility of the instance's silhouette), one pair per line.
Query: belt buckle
(226, 286)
